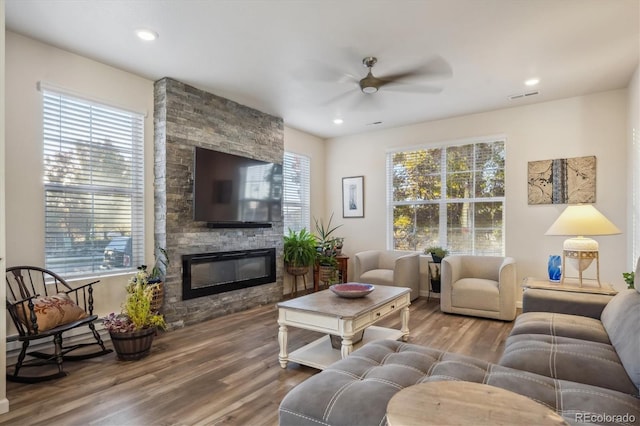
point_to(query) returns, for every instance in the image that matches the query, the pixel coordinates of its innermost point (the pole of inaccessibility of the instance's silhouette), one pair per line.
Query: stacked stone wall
(186, 117)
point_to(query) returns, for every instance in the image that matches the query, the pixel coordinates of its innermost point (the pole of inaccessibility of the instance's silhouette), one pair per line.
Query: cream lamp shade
(579, 221)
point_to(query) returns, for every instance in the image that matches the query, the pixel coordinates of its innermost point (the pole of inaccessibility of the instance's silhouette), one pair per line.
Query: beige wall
(589, 125)
(574, 127)
(27, 63)
(633, 163)
(313, 147)
(4, 403)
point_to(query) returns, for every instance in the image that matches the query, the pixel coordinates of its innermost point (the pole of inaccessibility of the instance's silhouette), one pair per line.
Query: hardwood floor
(224, 371)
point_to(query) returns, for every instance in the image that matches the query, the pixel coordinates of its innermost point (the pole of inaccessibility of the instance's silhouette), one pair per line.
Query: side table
(465, 403)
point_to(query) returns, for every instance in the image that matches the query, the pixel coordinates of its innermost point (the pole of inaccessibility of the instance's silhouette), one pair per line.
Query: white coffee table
(327, 313)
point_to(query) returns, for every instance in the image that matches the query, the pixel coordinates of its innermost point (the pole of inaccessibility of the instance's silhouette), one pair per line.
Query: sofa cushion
(565, 358)
(620, 318)
(561, 325)
(476, 293)
(378, 277)
(356, 390)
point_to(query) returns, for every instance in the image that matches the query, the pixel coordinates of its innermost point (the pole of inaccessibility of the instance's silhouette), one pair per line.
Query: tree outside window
(451, 196)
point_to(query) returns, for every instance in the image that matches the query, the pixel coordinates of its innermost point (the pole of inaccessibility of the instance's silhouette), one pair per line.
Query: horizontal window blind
(450, 196)
(94, 186)
(296, 170)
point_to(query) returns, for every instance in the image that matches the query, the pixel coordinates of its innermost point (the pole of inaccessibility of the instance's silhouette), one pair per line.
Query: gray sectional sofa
(582, 368)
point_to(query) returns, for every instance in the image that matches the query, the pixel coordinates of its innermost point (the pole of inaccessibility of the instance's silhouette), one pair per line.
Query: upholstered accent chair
(389, 267)
(481, 286)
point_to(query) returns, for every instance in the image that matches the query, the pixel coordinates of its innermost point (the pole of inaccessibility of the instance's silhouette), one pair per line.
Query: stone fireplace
(186, 117)
(204, 274)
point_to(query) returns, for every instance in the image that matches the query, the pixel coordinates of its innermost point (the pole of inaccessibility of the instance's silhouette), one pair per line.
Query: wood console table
(343, 264)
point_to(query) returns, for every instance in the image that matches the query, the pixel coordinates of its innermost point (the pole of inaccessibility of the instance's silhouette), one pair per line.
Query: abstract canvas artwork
(562, 181)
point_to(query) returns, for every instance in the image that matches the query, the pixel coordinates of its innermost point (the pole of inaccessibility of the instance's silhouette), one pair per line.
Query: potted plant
(326, 250)
(437, 254)
(133, 329)
(299, 251)
(156, 276)
(629, 278)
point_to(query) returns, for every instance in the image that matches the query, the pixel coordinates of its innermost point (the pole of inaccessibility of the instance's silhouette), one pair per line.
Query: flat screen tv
(231, 190)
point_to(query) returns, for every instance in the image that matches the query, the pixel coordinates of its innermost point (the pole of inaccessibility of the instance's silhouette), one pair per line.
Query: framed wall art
(353, 196)
(562, 181)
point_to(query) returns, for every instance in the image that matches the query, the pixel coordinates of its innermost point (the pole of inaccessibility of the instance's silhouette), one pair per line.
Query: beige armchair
(481, 286)
(386, 267)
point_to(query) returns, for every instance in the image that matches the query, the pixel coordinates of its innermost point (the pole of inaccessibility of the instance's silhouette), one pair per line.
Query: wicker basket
(158, 297)
(297, 270)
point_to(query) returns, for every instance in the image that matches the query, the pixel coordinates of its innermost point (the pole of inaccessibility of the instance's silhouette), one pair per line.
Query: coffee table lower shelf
(320, 354)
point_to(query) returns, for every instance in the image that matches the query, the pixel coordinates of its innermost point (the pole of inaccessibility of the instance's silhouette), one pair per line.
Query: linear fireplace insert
(204, 274)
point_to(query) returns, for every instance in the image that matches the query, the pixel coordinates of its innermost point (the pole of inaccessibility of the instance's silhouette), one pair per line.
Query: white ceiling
(293, 58)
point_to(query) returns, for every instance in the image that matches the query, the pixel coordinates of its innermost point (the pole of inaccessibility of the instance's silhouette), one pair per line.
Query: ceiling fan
(436, 67)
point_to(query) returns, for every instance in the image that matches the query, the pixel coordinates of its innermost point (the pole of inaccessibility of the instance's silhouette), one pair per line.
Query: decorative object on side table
(554, 268)
(437, 254)
(132, 331)
(352, 290)
(576, 222)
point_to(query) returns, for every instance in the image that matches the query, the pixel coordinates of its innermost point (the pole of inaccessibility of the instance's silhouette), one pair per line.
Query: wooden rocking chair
(43, 305)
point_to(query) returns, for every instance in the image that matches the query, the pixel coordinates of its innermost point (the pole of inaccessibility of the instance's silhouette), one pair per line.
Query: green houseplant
(437, 254)
(299, 251)
(629, 278)
(133, 329)
(326, 250)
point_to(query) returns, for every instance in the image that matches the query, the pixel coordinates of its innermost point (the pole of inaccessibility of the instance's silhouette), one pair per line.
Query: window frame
(443, 200)
(88, 139)
(305, 186)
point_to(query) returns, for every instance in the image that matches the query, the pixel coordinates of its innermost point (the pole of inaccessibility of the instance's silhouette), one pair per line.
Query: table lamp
(578, 221)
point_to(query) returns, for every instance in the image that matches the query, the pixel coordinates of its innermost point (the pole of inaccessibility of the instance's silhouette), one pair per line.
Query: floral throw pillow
(51, 312)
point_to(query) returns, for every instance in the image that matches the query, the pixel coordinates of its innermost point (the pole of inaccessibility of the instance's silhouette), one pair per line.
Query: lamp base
(581, 252)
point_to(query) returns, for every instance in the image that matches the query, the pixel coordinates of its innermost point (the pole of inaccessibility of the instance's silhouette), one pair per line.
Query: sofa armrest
(564, 302)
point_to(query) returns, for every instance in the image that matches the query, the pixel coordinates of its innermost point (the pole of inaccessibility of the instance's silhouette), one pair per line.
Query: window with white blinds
(296, 171)
(94, 186)
(450, 196)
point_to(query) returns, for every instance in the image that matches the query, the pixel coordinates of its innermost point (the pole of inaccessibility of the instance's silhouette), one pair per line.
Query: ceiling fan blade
(435, 68)
(340, 97)
(397, 86)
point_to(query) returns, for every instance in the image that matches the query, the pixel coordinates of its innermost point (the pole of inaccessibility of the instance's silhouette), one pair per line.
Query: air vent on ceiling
(524, 94)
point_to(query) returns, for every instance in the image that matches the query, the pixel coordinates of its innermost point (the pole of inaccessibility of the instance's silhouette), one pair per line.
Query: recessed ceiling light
(338, 121)
(146, 35)
(532, 81)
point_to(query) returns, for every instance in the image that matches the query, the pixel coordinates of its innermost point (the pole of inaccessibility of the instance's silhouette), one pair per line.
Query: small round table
(465, 403)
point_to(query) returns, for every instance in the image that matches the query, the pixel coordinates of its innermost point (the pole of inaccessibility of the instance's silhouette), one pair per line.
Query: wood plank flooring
(221, 372)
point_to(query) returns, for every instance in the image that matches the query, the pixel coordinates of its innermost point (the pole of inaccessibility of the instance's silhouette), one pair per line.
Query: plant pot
(326, 273)
(297, 270)
(134, 345)
(158, 296)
